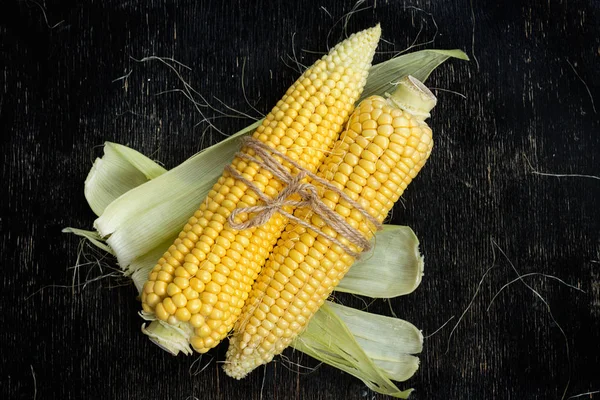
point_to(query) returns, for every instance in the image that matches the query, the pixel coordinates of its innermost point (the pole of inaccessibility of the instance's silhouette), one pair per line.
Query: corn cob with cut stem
(384, 147)
(206, 275)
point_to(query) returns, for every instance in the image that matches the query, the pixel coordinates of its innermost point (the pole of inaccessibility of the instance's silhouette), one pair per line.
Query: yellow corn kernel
(183, 314)
(262, 331)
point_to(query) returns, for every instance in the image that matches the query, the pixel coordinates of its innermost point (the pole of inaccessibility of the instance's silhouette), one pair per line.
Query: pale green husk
(93, 236)
(328, 338)
(171, 338)
(389, 342)
(393, 268)
(142, 207)
(120, 169)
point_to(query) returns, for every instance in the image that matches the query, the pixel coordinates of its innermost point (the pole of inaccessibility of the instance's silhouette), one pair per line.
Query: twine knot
(265, 211)
(295, 185)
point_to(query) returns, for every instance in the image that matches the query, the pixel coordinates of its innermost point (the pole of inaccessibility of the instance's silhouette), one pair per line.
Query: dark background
(530, 92)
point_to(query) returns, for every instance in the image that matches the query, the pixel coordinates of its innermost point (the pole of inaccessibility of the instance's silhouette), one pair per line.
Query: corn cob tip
(413, 96)
(358, 49)
(240, 364)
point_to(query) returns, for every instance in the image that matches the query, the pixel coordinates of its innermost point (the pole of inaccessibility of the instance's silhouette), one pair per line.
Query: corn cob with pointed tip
(206, 275)
(383, 148)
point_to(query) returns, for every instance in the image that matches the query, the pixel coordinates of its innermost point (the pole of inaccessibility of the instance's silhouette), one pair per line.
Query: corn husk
(92, 236)
(174, 339)
(117, 172)
(356, 342)
(389, 342)
(141, 215)
(397, 261)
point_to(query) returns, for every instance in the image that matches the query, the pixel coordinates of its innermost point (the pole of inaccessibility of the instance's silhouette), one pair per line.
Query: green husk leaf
(389, 342)
(92, 236)
(171, 338)
(328, 339)
(393, 268)
(420, 64)
(119, 170)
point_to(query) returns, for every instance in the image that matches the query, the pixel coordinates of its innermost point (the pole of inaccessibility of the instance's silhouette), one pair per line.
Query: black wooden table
(526, 105)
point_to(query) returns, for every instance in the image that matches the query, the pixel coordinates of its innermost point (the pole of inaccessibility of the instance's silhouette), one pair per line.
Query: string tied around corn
(308, 193)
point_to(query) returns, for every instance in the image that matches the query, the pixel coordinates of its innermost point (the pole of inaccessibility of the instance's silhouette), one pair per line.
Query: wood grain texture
(531, 93)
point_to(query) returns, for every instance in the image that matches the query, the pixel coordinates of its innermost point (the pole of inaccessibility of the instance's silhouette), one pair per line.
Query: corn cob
(206, 275)
(383, 148)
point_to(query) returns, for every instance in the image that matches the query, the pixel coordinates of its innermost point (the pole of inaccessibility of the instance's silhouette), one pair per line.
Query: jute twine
(307, 192)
